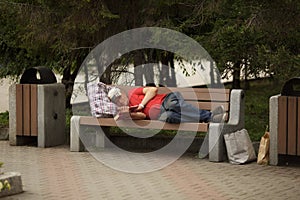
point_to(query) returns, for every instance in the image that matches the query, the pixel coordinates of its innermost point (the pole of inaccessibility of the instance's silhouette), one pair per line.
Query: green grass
(257, 106)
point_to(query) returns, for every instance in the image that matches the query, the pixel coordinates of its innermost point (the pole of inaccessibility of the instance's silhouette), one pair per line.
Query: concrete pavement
(57, 173)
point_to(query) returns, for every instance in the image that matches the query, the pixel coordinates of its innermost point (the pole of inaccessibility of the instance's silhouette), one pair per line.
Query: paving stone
(57, 173)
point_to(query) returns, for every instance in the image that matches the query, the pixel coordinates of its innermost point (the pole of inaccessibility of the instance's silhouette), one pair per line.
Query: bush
(4, 119)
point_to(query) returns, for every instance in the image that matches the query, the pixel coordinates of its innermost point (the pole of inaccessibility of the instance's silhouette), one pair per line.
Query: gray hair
(114, 93)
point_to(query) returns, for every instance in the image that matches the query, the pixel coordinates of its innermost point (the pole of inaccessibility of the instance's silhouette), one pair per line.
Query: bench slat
(144, 124)
(209, 105)
(197, 94)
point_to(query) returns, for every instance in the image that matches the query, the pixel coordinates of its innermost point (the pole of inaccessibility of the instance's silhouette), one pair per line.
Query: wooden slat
(26, 109)
(33, 110)
(282, 123)
(209, 105)
(292, 106)
(19, 110)
(144, 124)
(205, 96)
(298, 127)
(198, 94)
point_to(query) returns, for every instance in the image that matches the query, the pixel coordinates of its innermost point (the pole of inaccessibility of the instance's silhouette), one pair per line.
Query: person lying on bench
(146, 103)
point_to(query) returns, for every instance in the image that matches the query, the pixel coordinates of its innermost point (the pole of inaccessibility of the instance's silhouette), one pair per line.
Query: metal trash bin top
(38, 75)
(291, 87)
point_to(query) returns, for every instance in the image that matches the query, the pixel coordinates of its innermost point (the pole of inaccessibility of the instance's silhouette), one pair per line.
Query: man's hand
(124, 109)
(123, 113)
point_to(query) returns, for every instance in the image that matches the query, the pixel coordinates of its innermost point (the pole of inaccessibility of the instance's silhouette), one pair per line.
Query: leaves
(257, 36)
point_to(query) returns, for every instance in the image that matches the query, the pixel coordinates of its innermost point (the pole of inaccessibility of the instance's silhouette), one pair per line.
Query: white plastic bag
(239, 147)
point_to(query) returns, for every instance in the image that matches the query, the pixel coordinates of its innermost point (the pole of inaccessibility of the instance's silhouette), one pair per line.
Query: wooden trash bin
(37, 110)
(285, 122)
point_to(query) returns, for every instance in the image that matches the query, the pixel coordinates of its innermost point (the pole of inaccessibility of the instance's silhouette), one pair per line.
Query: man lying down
(146, 103)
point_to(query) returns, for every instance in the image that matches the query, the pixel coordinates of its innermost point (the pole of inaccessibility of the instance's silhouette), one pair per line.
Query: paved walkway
(57, 173)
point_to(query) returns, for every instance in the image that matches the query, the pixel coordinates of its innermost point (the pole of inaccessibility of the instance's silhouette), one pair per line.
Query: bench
(204, 98)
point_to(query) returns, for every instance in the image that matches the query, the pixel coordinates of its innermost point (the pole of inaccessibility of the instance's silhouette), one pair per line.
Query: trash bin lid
(291, 87)
(38, 75)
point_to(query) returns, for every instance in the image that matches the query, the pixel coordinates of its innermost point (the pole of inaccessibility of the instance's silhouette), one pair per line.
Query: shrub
(4, 119)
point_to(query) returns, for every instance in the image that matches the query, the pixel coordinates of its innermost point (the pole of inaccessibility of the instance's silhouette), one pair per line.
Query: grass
(257, 106)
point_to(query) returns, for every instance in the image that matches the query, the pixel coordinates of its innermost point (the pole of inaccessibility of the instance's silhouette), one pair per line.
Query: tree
(58, 34)
(252, 37)
(243, 37)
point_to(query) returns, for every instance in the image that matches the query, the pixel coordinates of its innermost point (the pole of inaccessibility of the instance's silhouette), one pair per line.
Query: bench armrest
(216, 146)
(237, 108)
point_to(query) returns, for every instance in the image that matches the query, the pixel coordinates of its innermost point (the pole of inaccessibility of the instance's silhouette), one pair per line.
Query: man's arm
(124, 113)
(138, 115)
(150, 93)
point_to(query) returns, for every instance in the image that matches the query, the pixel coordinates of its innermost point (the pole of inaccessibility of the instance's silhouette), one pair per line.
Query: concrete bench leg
(216, 143)
(100, 138)
(75, 143)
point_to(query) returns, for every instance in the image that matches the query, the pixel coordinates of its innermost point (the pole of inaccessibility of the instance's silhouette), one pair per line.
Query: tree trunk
(247, 84)
(173, 82)
(68, 80)
(148, 71)
(236, 83)
(164, 75)
(138, 74)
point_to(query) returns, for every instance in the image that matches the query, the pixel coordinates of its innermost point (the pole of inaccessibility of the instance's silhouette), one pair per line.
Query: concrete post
(273, 151)
(12, 115)
(51, 115)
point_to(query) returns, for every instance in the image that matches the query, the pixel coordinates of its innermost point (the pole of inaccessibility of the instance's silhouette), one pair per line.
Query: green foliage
(257, 106)
(250, 36)
(68, 121)
(4, 119)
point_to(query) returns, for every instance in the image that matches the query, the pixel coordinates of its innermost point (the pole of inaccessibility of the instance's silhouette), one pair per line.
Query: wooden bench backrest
(204, 98)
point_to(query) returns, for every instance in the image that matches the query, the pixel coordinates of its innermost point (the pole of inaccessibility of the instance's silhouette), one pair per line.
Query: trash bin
(37, 109)
(38, 75)
(285, 121)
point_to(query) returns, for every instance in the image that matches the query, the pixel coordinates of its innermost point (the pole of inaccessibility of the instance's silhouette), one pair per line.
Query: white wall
(4, 94)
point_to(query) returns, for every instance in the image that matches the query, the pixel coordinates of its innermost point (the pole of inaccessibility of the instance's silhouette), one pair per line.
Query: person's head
(118, 97)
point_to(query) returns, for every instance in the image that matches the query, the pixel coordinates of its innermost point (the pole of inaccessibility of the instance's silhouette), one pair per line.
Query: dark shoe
(218, 110)
(219, 118)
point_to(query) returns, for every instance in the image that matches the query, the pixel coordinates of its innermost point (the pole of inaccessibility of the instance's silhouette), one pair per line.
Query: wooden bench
(204, 98)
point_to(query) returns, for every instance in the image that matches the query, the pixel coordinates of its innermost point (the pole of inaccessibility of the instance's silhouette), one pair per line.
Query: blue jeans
(175, 109)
